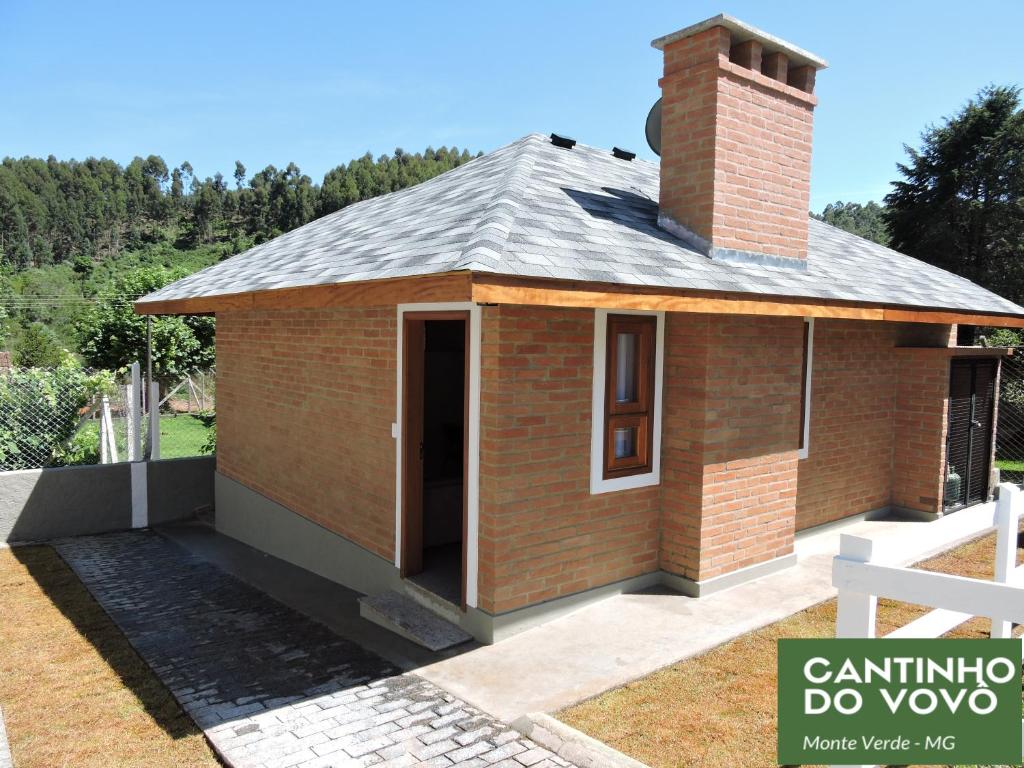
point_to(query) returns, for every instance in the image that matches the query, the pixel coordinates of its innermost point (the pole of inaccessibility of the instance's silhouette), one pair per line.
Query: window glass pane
(625, 442)
(626, 345)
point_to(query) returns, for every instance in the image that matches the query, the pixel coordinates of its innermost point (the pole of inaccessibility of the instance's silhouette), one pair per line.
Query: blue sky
(319, 83)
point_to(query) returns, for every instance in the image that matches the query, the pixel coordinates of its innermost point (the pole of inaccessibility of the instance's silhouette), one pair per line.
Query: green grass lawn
(180, 435)
(1010, 465)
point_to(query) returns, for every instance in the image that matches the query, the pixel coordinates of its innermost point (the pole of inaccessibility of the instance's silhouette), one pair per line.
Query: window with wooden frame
(629, 394)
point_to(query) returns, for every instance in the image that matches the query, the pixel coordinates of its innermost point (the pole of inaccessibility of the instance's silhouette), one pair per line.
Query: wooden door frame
(409, 537)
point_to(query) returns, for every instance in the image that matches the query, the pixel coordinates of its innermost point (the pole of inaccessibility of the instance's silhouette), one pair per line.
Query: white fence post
(134, 402)
(855, 611)
(104, 450)
(107, 430)
(1008, 510)
(154, 420)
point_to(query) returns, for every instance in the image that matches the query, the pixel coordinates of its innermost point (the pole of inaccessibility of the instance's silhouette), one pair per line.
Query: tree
(864, 220)
(37, 347)
(113, 336)
(177, 188)
(239, 174)
(82, 266)
(961, 203)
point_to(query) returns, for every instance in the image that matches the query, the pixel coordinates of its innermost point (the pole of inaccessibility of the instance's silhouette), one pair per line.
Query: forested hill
(80, 240)
(82, 212)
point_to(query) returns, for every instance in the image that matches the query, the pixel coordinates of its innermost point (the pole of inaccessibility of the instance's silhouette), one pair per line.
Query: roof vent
(623, 154)
(562, 141)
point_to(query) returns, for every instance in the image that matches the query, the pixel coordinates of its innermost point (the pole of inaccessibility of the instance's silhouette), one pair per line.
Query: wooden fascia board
(493, 293)
(948, 318)
(497, 289)
(447, 287)
(491, 289)
(987, 352)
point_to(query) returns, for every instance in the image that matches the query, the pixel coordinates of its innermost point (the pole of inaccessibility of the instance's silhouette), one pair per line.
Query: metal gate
(972, 384)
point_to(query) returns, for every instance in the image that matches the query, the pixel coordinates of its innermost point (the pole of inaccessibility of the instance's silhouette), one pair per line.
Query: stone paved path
(270, 687)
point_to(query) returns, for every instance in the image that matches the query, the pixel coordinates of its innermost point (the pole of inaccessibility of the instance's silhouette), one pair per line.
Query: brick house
(559, 372)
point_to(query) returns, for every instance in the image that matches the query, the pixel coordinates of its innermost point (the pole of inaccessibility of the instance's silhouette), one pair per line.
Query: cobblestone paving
(270, 687)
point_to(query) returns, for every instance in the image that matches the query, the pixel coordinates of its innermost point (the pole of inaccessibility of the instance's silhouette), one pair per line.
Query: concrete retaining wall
(253, 519)
(40, 504)
(179, 487)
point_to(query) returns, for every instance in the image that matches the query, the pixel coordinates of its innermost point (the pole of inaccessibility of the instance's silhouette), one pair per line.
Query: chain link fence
(1010, 429)
(72, 415)
(42, 411)
(187, 416)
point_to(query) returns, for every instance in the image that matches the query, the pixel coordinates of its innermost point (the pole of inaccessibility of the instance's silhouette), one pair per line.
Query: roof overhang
(487, 288)
(450, 286)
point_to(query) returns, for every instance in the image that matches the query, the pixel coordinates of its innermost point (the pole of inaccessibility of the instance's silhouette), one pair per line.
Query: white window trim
(598, 483)
(472, 542)
(803, 452)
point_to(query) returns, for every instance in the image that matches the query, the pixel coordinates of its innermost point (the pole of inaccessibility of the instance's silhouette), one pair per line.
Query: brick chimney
(736, 123)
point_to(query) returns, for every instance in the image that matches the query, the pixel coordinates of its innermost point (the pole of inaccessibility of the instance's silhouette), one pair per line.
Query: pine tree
(961, 203)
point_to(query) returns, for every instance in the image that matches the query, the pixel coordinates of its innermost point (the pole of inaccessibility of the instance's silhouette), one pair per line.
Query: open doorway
(434, 452)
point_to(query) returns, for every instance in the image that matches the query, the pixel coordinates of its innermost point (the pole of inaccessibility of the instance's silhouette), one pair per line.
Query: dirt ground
(73, 691)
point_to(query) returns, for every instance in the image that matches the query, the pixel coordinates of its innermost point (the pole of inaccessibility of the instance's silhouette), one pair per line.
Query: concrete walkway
(270, 687)
(629, 636)
(545, 669)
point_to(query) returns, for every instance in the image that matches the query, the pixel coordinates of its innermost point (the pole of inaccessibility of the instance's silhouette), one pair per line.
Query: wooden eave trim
(485, 288)
(498, 289)
(948, 317)
(445, 287)
(989, 352)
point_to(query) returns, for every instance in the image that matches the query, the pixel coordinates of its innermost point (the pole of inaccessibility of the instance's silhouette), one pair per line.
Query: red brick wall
(542, 534)
(684, 415)
(878, 420)
(736, 149)
(751, 441)
(922, 400)
(853, 384)
(305, 403)
(307, 400)
(729, 489)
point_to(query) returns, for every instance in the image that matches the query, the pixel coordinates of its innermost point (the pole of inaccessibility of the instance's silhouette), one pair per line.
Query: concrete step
(432, 602)
(414, 622)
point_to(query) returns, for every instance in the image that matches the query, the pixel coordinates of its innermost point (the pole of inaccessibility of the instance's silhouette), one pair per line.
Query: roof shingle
(536, 210)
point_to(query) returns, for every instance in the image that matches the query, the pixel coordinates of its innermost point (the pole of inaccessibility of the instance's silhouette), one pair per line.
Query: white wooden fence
(865, 570)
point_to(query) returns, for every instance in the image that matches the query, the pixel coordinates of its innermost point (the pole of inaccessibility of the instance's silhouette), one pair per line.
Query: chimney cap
(741, 32)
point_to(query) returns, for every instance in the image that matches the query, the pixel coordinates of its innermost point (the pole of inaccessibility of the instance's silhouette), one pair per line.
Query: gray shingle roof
(533, 209)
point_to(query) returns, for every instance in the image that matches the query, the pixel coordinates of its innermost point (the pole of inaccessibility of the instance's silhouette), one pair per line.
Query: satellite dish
(653, 128)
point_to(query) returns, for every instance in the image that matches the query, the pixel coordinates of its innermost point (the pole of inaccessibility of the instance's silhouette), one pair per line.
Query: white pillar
(140, 494)
(135, 416)
(154, 420)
